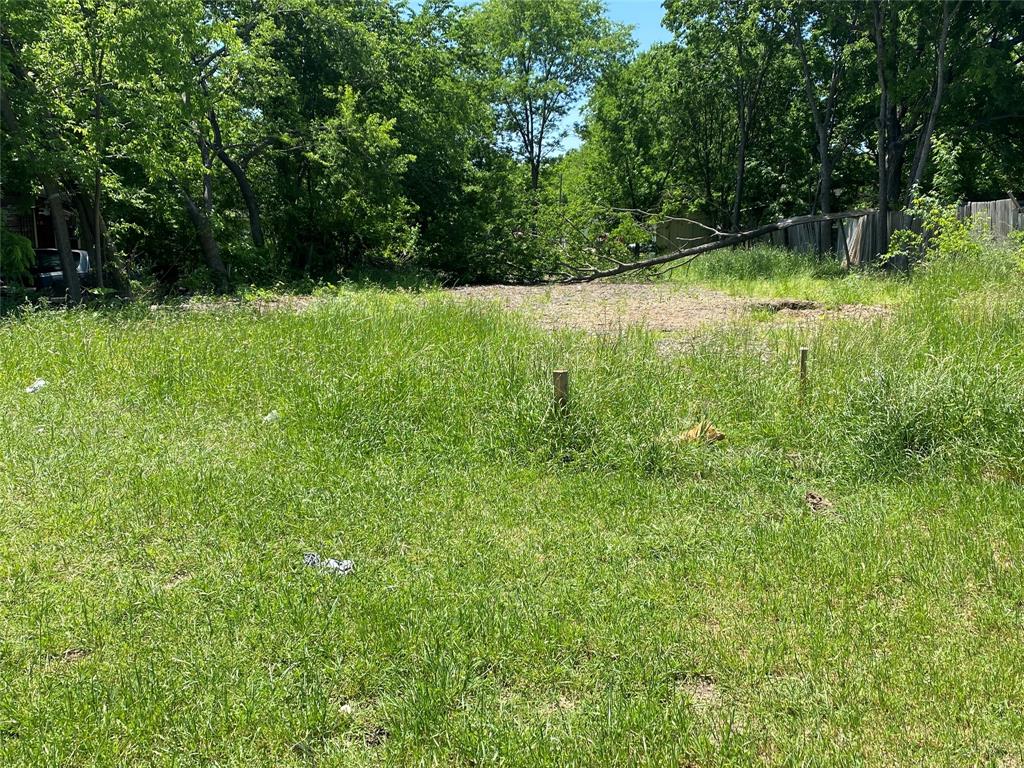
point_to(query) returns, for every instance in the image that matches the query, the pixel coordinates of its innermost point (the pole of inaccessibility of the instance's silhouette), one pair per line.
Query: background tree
(204, 144)
(546, 56)
(744, 37)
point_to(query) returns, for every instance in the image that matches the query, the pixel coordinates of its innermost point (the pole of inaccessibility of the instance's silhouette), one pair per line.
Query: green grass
(772, 273)
(529, 590)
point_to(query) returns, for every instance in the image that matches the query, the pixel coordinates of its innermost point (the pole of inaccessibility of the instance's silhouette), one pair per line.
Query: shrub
(16, 257)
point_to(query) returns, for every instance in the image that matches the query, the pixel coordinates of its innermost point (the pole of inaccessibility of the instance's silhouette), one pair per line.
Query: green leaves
(16, 256)
(361, 165)
(545, 56)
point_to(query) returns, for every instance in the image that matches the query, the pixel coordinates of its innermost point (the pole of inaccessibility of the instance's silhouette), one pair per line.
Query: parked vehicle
(47, 274)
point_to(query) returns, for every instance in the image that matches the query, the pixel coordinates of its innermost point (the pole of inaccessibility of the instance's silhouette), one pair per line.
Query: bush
(944, 234)
(16, 257)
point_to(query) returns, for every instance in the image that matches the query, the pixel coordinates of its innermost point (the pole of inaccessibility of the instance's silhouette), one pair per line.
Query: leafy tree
(31, 120)
(546, 55)
(744, 36)
(826, 37)
(633, 149)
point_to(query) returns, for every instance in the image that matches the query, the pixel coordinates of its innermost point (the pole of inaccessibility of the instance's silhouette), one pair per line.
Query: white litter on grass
(340, 567)
(35, 386)
(271, 417)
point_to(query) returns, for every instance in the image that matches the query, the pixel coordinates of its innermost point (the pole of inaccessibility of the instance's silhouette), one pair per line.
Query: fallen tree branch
(662, 219)
(594, 273)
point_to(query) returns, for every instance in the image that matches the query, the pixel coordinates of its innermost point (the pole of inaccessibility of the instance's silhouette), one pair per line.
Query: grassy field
(528, 589)
(770, 272)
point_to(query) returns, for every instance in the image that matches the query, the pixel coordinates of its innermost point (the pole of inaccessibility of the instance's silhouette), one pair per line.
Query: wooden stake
(803, 371)
(560, 380)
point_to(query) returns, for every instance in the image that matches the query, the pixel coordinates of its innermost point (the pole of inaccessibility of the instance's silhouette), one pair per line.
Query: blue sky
(645, 18)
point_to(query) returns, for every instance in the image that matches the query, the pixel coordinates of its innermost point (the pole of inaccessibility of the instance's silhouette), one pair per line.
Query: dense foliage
(212, 143)
(758, 110)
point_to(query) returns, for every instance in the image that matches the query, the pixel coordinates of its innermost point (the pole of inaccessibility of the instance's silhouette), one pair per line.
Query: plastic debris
(339, 567)
(35, 386)
(271, 417)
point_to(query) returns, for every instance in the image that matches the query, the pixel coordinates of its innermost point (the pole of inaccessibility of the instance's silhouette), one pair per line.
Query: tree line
(205, 144)
(757, 111)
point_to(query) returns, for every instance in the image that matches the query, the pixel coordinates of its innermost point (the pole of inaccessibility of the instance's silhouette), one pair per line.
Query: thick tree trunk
(924, 143)
(826, 180)
(60, 232)
(534, 174)
(242, 179)
(897, 157)
(208, 243)
(248, 195)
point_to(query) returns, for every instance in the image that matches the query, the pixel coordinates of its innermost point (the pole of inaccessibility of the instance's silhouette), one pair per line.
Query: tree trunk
(685, 255)
(118, 278)
(896, 145)
(97, 113)
(68, 267)
(924, 143)
(821, 121)
(97, 228)
(241, 178)
(825, 235)
(878, 30)
(251, 204)
(208, 243)
(207, 157)
(534, 174)
(741, 167)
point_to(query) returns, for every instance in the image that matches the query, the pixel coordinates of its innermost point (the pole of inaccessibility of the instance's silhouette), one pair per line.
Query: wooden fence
(855, 240)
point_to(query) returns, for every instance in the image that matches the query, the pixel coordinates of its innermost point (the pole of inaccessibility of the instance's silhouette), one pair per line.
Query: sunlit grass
(772, 273)
(530, 589)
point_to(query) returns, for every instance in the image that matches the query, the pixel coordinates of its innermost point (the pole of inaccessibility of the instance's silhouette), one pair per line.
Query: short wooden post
(560, 379)
(803, 372)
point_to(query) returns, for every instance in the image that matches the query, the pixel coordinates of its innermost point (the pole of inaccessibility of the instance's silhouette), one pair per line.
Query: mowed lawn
(529, 588)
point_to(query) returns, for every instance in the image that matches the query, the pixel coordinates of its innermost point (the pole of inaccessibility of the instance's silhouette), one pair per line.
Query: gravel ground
(610, 307)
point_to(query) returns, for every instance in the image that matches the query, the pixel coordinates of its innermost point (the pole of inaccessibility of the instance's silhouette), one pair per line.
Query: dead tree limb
(593, 273)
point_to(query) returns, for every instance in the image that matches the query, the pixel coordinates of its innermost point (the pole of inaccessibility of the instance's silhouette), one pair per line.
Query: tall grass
(773, 272)
(530, 589)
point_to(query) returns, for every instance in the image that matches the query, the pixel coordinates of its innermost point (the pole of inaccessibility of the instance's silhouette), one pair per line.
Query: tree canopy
(204, 144)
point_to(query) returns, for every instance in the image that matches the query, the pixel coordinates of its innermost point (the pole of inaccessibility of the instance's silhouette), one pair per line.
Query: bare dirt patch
(611, 307)
(701, 689)
(72, 655)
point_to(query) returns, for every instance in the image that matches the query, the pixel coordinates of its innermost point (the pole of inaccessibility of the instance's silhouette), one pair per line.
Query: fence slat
(858, 240)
